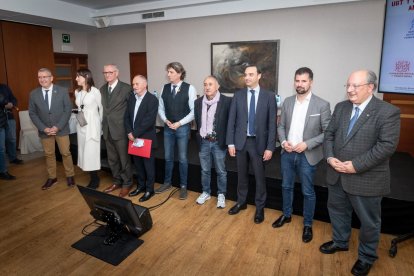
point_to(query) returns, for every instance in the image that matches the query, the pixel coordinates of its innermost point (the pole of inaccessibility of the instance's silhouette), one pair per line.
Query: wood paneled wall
(3, 75)
(26, 49)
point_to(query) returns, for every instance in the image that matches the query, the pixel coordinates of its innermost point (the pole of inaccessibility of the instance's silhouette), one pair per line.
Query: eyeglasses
(43, 77)
(108, 73)
(354, 86)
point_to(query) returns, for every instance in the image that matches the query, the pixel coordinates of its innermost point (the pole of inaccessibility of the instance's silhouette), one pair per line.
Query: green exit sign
(66, 38)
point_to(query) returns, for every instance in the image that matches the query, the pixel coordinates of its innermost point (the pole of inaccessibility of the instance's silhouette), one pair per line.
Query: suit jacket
(265, 121)
(58, 115)
(114, 107)
(144, 125)
(316, 121)
(220, 118)
(369, 145)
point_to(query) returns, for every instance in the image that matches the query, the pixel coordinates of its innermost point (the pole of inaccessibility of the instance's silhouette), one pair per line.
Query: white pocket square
(314, 115)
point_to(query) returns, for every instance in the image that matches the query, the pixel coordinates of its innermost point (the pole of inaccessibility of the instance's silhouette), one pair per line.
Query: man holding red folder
(139, 121)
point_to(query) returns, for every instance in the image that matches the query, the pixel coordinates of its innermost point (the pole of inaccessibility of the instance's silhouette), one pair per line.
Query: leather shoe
(17, 161)
(71, 181)
(124, 191)
(280, 221)
(7, 176)
(137, 191)
(259, 216)
(146, 196)
(361, 268)
(236, 208)
(49, 183)
(112, 188)
(330, 248)
(307, 234)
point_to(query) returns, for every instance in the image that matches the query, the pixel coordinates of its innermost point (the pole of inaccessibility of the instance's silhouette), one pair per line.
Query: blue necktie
(173, 91)
(47, 98)
(353, 120)
(252, 114)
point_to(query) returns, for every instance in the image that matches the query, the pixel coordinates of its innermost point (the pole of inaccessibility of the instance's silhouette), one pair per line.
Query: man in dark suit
(251, 135)
(303, 120)
(50, 109)
(4, 102)
(211, 113)
(115, 95)
(359, 140)
(140, 121)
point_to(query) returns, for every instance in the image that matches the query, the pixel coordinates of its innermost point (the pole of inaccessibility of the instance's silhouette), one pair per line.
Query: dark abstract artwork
(228, 61)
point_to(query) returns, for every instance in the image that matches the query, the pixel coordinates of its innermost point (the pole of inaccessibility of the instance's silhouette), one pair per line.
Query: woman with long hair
(88, 100)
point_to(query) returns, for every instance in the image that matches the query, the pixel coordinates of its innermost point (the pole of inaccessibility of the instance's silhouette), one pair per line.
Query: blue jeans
(207, 150)
(170, 138)
(11, 139)
(3, 168)
(296, 164)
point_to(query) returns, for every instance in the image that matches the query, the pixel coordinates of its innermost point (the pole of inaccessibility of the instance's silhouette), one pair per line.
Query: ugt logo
(402, 66)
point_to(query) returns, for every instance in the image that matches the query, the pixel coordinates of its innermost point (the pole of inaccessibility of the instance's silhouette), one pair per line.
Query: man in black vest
(176, 110)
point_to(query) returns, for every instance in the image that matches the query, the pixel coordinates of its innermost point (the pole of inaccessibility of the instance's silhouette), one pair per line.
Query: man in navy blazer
(211, 112)
(359, 141)
(50, 109)
(251, 138)
(140, 119)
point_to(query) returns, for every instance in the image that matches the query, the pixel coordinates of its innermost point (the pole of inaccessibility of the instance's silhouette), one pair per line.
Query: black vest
(176, 107)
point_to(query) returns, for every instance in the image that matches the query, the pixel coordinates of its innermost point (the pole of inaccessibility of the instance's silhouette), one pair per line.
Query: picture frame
(229, 59)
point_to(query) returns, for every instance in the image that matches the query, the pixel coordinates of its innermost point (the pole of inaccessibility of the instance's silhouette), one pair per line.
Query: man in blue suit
(251, 135)
(359, 141)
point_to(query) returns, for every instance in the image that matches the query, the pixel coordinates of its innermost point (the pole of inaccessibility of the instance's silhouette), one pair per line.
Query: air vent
(153, 15)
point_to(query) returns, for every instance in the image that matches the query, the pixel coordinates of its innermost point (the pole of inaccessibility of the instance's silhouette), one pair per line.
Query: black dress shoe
(330, 248)
(49, 183)
(137, 191)
(146, 196)
(361, 268)
(236, 208)
(259, 216)
(7, 176)
(307, 234)
(17, 161)
(280, 221)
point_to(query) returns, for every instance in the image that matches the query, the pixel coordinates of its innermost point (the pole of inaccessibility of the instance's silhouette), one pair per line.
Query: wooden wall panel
(3, 75)
(27, 48)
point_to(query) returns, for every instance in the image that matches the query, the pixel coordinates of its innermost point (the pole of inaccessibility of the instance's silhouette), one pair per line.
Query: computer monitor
(120, 214)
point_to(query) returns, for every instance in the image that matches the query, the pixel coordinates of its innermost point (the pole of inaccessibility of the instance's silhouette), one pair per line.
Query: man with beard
(304, 118)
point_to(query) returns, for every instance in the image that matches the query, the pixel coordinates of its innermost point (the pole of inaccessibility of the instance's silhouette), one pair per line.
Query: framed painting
(229, 59)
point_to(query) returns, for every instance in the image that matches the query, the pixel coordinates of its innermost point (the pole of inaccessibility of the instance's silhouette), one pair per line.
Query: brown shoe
(71, 181)
(124, 191)
(49, 183)
(112, 188)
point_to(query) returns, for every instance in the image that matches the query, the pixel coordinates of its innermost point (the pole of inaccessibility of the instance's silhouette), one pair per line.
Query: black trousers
(145, 168)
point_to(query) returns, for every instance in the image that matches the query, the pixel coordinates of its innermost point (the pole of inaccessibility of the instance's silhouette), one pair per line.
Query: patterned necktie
(252, 114)
(173, 92)
(47, 99)
(353, 120)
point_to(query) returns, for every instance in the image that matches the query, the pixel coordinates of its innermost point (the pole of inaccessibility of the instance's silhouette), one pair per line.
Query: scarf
(207, 114)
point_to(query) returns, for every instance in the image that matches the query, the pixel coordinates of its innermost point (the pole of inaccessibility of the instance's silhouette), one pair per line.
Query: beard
(301, 90)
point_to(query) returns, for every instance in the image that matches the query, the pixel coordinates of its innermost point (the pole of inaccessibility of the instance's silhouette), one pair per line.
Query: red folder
(144, 151)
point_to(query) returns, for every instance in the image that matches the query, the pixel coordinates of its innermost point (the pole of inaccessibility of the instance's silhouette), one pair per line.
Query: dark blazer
(58, 115)
(220, 118)
(144, 126)
(265, 121)
(114, 107)
(370, 144)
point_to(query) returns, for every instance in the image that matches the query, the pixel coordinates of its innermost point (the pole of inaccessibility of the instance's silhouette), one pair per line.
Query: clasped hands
(173, 126)
(342, 167)
(51, 131)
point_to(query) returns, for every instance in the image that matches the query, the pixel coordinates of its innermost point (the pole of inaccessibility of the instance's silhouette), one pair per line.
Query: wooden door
(138, 64)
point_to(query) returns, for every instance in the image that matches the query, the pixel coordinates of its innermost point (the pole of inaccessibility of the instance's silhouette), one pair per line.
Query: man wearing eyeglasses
(50, 109)
(115, 94)
(359, 141)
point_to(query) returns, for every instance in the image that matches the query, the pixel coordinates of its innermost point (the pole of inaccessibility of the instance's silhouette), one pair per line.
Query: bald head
(361, 85)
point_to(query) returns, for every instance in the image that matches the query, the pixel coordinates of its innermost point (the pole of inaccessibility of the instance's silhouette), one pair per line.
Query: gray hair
(46, 70)
(372, 79)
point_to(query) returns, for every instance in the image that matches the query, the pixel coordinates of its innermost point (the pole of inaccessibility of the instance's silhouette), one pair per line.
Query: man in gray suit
(251, 135)
(303, 120)
(50, 109)
(115, 95)
(359, 141)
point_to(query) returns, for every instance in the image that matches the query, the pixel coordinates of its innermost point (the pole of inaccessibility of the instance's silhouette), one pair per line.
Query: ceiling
(87, 15)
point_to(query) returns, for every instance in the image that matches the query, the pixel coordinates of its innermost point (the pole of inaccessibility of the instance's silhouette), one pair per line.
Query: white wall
(333, 40)
(113, 46)
(78, 42)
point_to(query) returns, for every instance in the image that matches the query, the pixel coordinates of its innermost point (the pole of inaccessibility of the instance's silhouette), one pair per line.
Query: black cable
(159, 204)
(97, 224)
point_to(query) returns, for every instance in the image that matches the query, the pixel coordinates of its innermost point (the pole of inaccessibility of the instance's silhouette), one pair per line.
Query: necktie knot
(109, 89)
(252, 91)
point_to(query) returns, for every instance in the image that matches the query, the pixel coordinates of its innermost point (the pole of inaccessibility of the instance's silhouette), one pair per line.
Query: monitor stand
(112, 249)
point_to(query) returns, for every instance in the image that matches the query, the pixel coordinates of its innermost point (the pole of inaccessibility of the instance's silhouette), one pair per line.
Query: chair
(29, 137)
